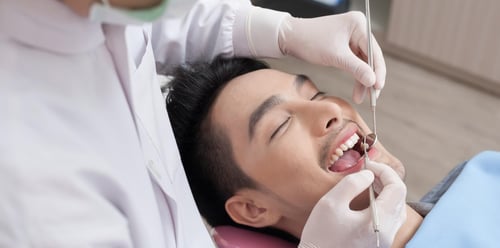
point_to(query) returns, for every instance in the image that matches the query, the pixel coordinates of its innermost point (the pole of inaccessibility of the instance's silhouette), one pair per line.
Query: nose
(322, 117)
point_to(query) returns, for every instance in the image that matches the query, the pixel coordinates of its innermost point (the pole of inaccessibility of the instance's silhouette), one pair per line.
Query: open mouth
(347, 155)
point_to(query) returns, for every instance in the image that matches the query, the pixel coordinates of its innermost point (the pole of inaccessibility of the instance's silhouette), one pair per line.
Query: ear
(252, 209)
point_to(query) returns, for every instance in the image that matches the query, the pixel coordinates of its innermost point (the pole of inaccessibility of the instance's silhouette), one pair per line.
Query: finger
(384, 173)
(350, 186)
(359, 92)
(379, 65)
(360, 35)
(358, 68)
(393, 193)
(359, 49)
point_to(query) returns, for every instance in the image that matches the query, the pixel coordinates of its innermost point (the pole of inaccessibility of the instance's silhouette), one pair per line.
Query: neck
(408, 229)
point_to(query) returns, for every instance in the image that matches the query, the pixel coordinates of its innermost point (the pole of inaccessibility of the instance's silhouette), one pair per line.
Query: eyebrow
(300, 80)
(269, 103)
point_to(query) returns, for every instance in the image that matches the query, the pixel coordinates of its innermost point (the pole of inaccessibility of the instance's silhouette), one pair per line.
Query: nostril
(329, 123)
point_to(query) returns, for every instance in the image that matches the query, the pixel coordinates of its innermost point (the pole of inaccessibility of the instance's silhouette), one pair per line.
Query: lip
(342, 137)
(346, 133)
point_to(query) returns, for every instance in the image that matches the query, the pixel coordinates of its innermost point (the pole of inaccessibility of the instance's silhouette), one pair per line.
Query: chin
(396, 165)
(383, 156)
(400, 169)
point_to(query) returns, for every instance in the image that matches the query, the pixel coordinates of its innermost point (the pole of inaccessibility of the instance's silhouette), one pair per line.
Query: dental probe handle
(373, 92)
(373, 208)
(369, 33)
(373, 105)
(375, 215)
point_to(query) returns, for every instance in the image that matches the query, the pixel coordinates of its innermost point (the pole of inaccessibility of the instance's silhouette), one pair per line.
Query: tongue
(348, 160)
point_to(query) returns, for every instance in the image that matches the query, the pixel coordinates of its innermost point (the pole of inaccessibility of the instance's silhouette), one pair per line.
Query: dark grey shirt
(424, 206)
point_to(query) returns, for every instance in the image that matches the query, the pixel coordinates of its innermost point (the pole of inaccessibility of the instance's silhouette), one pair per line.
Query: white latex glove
(335, 40)
(333, 224)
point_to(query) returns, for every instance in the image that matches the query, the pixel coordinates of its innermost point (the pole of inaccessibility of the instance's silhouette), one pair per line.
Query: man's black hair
(205, 149)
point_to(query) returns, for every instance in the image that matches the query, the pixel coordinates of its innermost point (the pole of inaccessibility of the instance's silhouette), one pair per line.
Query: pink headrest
(234, 237)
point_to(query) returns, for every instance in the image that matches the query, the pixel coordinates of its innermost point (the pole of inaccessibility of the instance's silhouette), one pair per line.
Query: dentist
(87, 154)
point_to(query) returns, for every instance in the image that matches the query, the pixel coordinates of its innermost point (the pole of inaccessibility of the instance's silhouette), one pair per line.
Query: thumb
(351, 186)
(359, 92)
(394, 190)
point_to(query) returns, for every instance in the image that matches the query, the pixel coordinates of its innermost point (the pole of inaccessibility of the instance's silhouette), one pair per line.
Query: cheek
(386, 157)
(290, 169)
(304, 176)
(301, 182)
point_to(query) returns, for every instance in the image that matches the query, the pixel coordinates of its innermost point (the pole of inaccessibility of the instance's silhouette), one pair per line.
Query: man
(87, 155)
(260, 147)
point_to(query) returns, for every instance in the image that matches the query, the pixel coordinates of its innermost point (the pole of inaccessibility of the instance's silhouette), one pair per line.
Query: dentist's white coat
(87, 154)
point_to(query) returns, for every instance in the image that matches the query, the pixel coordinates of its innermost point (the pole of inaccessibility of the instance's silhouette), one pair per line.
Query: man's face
(292, 140)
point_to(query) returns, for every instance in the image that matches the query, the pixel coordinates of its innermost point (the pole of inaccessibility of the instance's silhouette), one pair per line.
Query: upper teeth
(344, 147)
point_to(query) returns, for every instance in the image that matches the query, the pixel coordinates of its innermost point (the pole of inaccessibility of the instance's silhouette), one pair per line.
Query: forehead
(243, 94)
(237, 101)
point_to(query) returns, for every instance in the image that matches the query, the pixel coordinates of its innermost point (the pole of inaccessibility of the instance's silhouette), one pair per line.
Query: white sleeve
(50, 206)
(211, 27)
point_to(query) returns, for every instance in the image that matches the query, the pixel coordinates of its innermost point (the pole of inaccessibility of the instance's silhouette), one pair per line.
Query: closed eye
(279, 128)
(317, 95)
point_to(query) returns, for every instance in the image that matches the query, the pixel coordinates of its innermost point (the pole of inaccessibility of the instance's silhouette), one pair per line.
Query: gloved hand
(333, 224)
(335, 40)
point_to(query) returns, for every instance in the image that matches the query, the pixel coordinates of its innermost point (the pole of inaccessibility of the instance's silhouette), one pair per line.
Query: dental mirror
(369, 140)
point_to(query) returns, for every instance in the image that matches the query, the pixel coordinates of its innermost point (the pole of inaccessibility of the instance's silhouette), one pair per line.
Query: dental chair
(234, 237)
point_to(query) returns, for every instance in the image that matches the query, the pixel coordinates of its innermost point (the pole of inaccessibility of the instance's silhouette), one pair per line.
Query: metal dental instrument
(373, 92)
(373, 207)
(373, 104)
